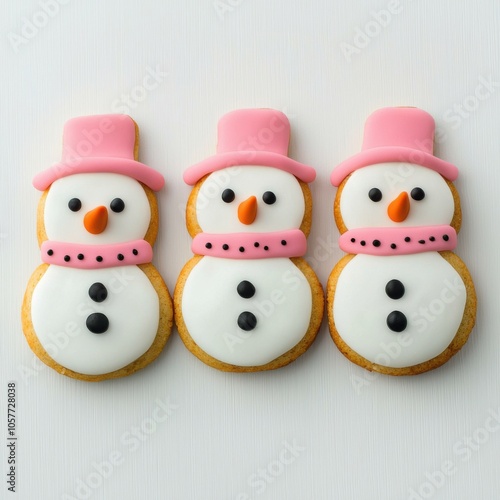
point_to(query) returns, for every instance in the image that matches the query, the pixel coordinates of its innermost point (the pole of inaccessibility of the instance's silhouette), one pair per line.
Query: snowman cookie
(97, 308)
(247, 301)
(401, 302)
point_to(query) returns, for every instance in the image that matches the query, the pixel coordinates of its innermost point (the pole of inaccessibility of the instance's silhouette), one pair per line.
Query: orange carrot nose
(247, 210)
(96, 220)
(399, 208)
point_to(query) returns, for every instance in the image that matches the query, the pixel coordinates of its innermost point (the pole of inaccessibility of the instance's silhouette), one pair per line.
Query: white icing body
(61, 304)
(211, 305)
(433, 303)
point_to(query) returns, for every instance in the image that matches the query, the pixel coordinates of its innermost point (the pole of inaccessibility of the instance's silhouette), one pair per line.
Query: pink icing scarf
(291, 243)
(398, 240)
(81, 256)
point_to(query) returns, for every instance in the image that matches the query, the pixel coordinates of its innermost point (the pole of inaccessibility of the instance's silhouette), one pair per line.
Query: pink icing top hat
(251, 137)
(396, 135)
(99, 143)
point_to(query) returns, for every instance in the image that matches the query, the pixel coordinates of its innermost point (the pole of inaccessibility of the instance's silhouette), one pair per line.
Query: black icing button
(397, 321)
(422, 242)
(80, 256)
(225, 246)
(393, 246)
(256, 244)
(395, 289)
(134, 251)
(283, 242)
(98, 292)
(98, 258)
(247, 321)
(362, 243)
(353, 240)
(50, 252)
(241, 249)
(208, 245)
(407, 239)
(266, 248)
(245, 289)
(67, 258)
(97, 323)
(120, 256)
(432, 238)
(446, 237)
(376, 243)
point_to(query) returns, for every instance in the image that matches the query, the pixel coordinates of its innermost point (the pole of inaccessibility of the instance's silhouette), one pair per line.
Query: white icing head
(247, 199)
(396, 194)
(96, 215)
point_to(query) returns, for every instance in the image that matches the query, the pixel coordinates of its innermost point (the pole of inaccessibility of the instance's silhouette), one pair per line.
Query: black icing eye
(269, 198)
(74, 204)
(375, 194)
(117, 205)
(417, 194)
(227, 195)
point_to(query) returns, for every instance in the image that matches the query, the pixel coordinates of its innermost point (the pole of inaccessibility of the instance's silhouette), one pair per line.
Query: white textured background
(360, 436)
